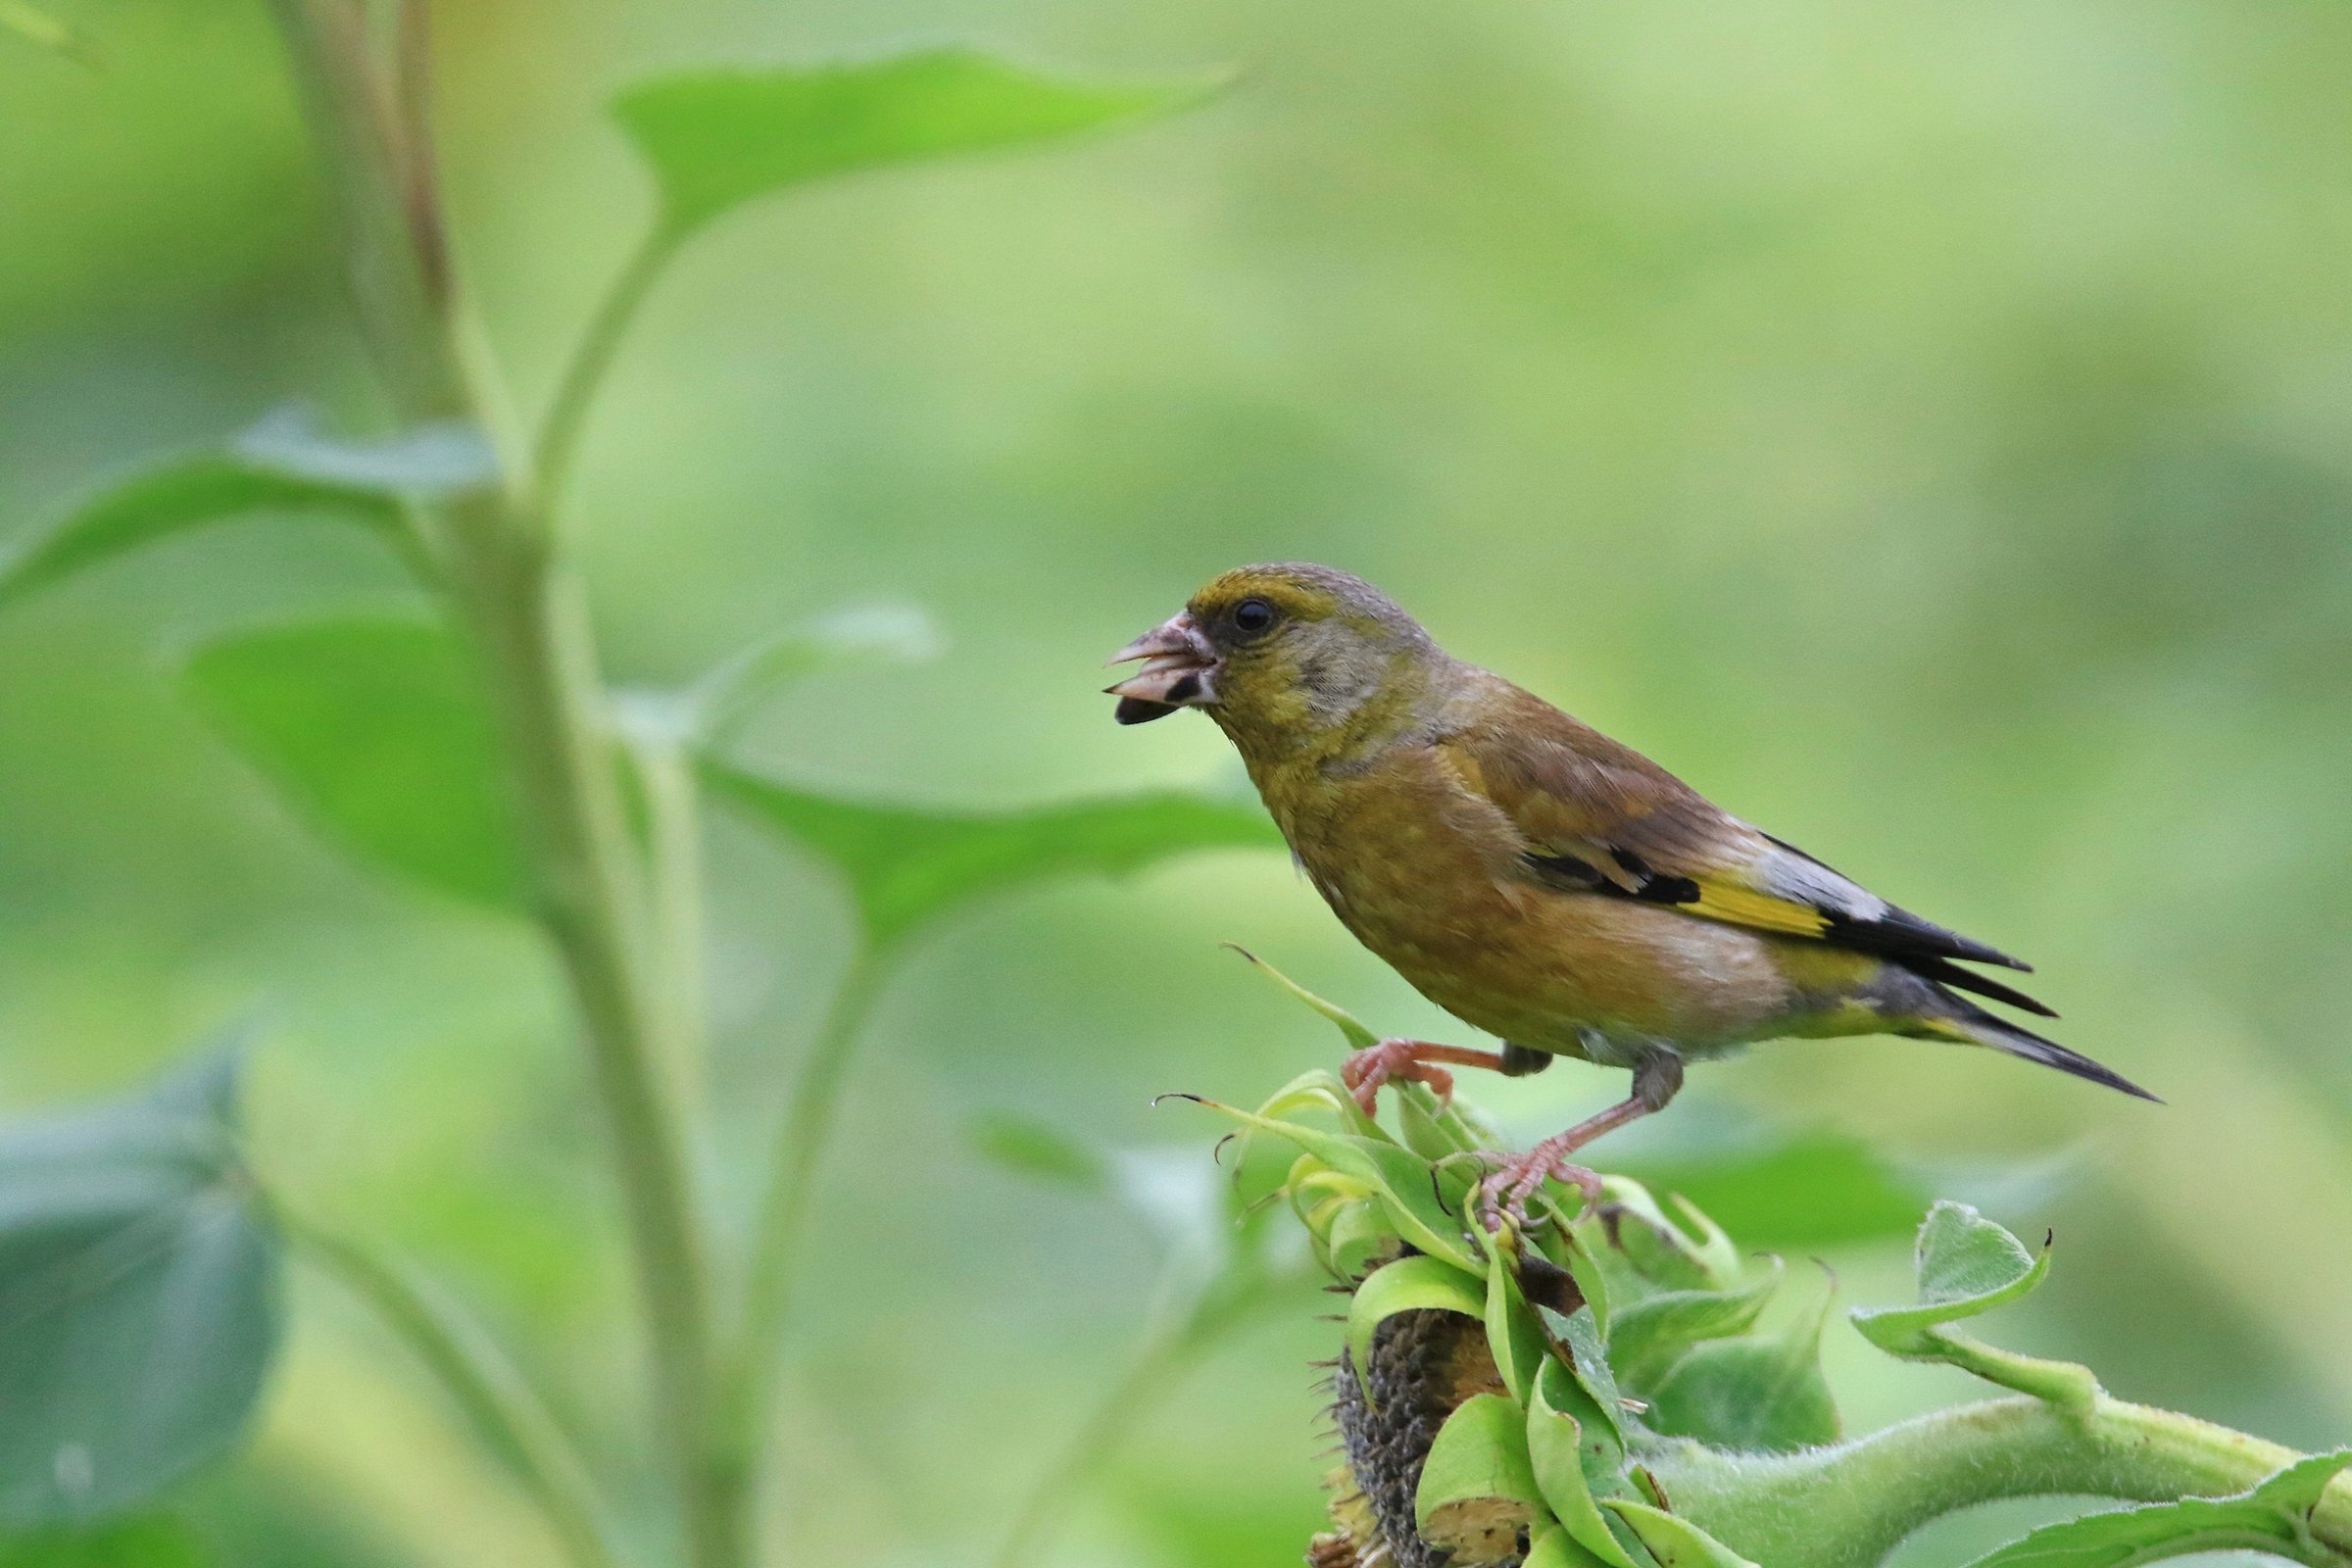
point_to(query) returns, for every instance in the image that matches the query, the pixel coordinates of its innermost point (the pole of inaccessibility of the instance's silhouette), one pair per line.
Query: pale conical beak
(1180, 671)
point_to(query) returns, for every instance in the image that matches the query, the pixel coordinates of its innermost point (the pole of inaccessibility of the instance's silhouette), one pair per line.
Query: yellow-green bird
(1535, 878)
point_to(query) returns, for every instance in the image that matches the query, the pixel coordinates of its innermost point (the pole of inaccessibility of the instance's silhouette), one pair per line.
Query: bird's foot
(1505, 1193)
(1412, 1061)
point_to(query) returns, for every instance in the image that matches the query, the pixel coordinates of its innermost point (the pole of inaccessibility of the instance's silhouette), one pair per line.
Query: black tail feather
(1947, 973)
(1984, 1029)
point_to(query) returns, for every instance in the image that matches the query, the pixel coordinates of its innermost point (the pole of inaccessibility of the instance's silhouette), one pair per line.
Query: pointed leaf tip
(718, 138)
(2273, 1515)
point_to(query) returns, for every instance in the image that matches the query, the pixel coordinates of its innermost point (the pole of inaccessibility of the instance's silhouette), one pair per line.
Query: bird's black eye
(1251, 616)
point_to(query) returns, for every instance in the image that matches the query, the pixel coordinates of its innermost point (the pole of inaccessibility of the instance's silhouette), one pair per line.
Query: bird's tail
(1966, 1024)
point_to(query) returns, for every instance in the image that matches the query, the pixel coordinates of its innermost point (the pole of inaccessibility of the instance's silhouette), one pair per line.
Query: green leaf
(283, 465)
(719, 138)
(1646, 1336)
(1555, 1547)
(1034, 1148)
(1409, 1284)
(906, 865)
(717, 705)
(2274, 1517)
(1675, 1543)
(1351, 1028)
(40, 28)
(1477, 1489)
(1359, 1233)
(376, 731)
(1651, 1251)
(1571, 1465)
(1810, 1191)
(1514, 1335)
(1404, 1184)
(1967, 1266)
(1758, 1394)
(153, 1542)
(138, 1296)
(1579, 1334)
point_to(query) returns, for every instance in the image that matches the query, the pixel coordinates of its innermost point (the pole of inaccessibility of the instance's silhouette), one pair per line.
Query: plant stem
(1847, 1506)
(527, 620)
(528, 625)
(484, 1385)
(673, 832)
(783, 1214)
(576, 388)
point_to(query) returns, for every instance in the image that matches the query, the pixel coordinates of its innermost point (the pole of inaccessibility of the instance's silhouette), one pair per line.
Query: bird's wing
(1596, 817)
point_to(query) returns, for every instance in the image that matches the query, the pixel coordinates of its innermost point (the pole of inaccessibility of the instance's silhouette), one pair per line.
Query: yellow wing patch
(1738, 905)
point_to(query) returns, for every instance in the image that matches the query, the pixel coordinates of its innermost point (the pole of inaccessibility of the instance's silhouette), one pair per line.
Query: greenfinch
(1533, 878)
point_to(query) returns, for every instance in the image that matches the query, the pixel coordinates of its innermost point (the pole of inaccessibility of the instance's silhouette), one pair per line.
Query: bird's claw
(1505, 1194)
(1393, 1062)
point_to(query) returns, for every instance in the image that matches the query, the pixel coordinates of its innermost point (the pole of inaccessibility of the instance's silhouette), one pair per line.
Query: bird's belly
(1574, 973)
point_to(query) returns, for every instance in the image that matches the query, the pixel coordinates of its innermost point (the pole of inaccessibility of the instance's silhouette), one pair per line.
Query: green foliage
(138, 1294)
(148, 1543)
(1761, 1393)
(1967, 1266)
(2275, 1517)
(377, 732)
(43, 30)
(282, 467)
(1044, 1152)
(1660, 1385)
(719, 138)
(1813, 1191)
(906, 866)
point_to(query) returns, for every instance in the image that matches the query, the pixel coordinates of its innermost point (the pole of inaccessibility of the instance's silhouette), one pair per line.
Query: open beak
(1180, 671)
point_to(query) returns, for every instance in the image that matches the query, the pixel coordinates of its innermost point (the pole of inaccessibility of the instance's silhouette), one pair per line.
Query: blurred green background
(1923, 429)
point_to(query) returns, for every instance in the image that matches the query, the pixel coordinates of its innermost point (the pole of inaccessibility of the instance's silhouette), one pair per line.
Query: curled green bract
(1616, 1390)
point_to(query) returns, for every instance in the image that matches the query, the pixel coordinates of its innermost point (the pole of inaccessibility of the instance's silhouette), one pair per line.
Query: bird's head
(1282, 657)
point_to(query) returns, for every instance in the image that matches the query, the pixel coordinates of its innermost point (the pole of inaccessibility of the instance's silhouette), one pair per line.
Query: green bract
(1624, 1389)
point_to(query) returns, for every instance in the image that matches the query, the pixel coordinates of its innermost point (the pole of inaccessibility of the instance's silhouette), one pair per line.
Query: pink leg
(1507, 1190)
(1409, 1061)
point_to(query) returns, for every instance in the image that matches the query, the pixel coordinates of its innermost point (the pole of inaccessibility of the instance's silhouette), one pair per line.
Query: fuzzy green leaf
(1812, 1191)
(1648, 1335)
(1691, 1253)
(376, 731)
(1967, 1266)
(2274, 1517)
(1758, 1394)
(1675, 1543)
(718, 138)
(1410, 1283)
(140, 1276)
(1476, 1486)
(906, 865)
(1572, 1465)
